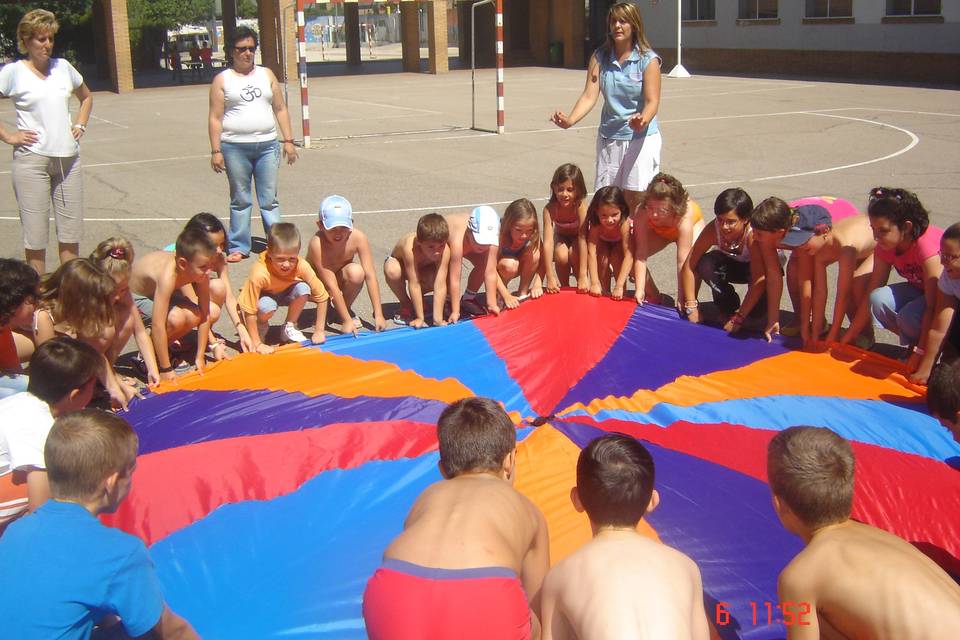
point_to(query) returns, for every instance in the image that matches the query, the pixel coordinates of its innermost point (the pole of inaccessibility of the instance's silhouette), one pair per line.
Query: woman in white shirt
(246, 105)
(46, 150)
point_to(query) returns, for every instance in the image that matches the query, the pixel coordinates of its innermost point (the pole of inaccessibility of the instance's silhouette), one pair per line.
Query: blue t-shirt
(63, 571)
(622, 89)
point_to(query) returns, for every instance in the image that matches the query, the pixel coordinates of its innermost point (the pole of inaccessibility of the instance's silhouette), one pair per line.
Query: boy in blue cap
(332, 253)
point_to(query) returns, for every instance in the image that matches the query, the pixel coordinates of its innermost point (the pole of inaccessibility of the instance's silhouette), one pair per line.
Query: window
(757, 10)
(699, 10)
(913, 7)
(829, 8)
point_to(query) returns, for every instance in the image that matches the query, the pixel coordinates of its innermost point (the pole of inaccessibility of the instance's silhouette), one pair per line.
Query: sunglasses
(880, 193)
(252, 49)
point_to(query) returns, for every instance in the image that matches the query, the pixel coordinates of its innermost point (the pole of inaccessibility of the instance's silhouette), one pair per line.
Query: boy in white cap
(332, 252)
(476, 238)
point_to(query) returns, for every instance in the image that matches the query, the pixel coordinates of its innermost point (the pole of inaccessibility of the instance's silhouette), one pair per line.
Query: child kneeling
(473, 551)
(621, 584)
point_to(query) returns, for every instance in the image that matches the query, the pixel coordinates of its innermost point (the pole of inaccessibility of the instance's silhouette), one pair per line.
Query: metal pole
(473, 61)
(302, 70)
(678, 71)
(500, 117)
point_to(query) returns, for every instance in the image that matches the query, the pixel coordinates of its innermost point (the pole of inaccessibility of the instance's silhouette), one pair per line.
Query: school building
(882, 40)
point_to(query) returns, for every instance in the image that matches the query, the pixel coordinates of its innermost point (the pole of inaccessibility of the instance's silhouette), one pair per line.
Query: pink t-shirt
(838, 207)
(910, 263)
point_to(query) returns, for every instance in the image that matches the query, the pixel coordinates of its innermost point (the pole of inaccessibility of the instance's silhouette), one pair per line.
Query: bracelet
(215, 152)
(287, 141)
(80, 126)
(691, 304)
(165, 369)
(919, 351)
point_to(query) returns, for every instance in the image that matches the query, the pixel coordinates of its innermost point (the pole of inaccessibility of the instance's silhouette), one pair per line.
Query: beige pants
(39, 179)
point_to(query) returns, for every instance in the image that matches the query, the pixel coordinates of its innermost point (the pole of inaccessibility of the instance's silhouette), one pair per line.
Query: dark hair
(736, 200)
(432, 227)
(206, 221)
(475, 434)
(773, 214)
(242, 32)
(572, 173)
(607, 195)
(810, 469)
(18, 282)
(85, 447)
(943, 391)
(615, 476)
(952, 232)
(899, 206)
(59, 366)
(193, 241)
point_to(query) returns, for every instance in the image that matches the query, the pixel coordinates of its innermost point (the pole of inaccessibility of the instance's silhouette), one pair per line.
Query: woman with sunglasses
(246, 105)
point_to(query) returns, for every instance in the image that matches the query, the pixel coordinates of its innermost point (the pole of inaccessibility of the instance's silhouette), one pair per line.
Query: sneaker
(290, 333)
(400, 320)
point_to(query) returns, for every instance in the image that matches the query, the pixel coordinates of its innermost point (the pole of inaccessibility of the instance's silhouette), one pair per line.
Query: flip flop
(236, 256)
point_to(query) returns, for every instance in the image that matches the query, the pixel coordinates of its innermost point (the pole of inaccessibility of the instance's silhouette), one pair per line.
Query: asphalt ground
(399, 145)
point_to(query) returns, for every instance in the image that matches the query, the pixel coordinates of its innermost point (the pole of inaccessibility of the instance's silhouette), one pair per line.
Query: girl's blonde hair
(114, 256)
(79, 293)
(628, 12)
(520, 210)
(34, 22)
(666, 187)
(572, 173)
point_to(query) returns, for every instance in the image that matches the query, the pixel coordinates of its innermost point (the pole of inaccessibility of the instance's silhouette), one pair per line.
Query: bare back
(466, 522)
(149, 269)
(851, 233)
(867, 583)
(622, 585)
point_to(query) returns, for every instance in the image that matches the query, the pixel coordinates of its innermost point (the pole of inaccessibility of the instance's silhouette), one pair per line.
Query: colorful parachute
(268, 488)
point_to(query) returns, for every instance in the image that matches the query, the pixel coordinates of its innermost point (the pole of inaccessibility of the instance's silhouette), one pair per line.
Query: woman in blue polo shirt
(626, 70)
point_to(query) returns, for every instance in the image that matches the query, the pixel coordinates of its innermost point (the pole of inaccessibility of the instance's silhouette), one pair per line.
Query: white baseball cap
(335, 211)
(485, 225)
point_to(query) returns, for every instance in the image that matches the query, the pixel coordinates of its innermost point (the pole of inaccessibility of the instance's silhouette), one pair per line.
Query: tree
(74, 40)
(247, 9)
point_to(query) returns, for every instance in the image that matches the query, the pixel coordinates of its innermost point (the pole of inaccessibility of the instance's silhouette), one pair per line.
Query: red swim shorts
(405, 601)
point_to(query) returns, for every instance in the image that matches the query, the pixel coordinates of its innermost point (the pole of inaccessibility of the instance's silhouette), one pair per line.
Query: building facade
(884, 40)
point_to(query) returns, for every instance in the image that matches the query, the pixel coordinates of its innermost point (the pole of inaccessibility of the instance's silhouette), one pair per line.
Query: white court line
(116, 124)
(128, 162)
(914, 140)
(378, 104)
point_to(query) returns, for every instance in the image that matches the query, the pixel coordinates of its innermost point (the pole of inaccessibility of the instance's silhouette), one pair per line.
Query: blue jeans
(899, 308)
(261, 162)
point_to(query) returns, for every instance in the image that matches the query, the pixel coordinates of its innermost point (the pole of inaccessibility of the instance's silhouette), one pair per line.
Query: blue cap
(335, 211)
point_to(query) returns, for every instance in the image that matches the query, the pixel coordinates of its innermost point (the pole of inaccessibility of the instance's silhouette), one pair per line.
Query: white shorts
(628, 164)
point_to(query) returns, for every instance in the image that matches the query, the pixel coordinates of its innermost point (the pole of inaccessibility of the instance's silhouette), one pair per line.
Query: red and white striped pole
(500, 117)
(302, 69)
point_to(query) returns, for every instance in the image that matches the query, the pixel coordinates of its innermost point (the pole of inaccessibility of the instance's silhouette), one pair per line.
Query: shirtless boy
(474, 238)
(331, 253)
(621, 585)
(155, 281)
(851, 580)
(473, 551)
(417, 266)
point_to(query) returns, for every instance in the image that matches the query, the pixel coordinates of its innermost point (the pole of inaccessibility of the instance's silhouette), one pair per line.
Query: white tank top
(248, 107)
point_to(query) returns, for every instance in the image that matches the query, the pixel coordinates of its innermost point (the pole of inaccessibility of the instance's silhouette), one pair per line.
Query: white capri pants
(36, 181)
(628, 164)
